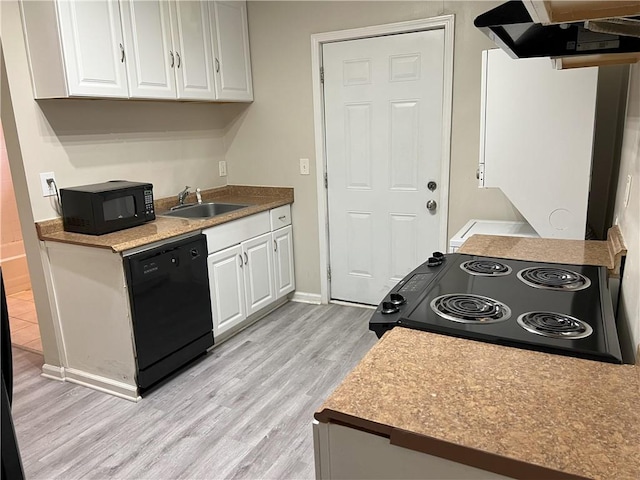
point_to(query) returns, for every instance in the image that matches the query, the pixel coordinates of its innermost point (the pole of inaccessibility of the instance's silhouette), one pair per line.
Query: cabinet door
(231, 51)
(226, 284)
(149, 52)
(283, 261)
(191, 34)
(93, 48)
(258, 272)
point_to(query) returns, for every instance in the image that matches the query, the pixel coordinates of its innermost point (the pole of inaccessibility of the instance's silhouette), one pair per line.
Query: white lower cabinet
(345, 452)
(258, 272)
(283, 261)
(250, 268)
(226, 284)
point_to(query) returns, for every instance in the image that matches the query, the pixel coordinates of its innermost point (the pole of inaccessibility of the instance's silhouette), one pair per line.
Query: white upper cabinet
(191, 34)
(231, 50)
(149, 49)
(159, 49)
(168, 45)
(75, 48)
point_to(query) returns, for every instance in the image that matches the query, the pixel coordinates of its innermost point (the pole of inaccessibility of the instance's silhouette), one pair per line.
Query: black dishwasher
(170, 306)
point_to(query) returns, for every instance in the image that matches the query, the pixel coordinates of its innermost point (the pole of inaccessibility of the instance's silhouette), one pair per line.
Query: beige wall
(629, 217)
(278, 128)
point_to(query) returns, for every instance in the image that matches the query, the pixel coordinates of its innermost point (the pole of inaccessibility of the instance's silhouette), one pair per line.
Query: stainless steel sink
(203, 210)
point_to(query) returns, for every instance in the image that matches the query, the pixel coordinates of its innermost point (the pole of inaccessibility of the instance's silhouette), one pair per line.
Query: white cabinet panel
(93, 48)
(231, 50)
(226, 284)
(537, 128)
(258, 272)
(149, 51)
(283, 261)
(250, 268)
(280, 217)
(162, 49)
(191, 34)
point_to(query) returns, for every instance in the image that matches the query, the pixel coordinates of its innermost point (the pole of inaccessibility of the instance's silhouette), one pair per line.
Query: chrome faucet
(182, 195)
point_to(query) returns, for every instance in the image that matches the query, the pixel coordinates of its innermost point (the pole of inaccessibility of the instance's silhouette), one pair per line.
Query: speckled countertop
(259, 199)
(515, 412)
(576, 252)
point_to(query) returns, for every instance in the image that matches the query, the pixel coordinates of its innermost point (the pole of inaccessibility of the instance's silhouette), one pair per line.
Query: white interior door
(383, 122)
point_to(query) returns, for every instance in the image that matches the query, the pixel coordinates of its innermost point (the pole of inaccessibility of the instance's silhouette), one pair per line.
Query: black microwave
(106, 207)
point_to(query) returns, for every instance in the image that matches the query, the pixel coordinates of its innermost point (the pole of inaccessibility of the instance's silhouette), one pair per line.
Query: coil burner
(467, 308)
(554, 325)
(553, 278)
(485, 268)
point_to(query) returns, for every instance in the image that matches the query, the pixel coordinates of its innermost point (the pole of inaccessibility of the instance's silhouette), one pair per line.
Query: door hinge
(329, 273)
(326, 180)
(321, 74)
(480, 175)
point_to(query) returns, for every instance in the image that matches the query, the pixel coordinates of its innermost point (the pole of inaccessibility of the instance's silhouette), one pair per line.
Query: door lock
(432, 205)
(432, 185)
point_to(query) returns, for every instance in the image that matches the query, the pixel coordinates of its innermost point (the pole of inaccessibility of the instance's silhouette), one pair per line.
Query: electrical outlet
(222, 167)
(304, 166)
(47, 181)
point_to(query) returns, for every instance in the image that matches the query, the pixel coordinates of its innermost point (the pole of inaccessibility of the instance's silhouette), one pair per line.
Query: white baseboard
(102, 384)
(52, 372)
(304, 297)
(351, 304)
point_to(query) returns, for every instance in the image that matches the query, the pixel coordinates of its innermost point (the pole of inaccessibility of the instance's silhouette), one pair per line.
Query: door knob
(432, 205)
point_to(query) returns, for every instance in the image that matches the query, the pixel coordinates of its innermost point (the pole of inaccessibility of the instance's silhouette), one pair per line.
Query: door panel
(91, 38)
(231, 50)
(192, 42)
(147, 32)
(226, 280)
(283, 255)
(258, 272)
(383, 100)
(404, 244)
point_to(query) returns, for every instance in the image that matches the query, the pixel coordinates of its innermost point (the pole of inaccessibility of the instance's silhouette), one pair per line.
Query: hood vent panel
(513, 30)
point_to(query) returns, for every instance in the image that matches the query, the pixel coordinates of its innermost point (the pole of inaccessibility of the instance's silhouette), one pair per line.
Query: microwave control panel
(148, 201)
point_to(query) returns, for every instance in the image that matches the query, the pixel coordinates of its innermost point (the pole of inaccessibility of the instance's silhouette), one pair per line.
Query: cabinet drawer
(232, 233)
(280, 217)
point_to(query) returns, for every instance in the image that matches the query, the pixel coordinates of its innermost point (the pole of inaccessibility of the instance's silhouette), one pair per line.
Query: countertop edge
(267, 198)
(472, 457)
(607, 253)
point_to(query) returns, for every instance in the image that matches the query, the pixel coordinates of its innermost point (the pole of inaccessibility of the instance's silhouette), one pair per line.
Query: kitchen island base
(343, 452)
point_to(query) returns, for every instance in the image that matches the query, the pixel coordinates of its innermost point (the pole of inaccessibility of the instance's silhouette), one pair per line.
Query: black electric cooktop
(554, 308)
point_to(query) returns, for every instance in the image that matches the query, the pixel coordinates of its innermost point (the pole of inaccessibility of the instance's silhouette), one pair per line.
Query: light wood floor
(23, 321)
(243, 412)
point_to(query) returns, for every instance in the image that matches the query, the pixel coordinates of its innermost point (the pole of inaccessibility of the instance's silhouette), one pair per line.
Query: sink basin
(204, 210)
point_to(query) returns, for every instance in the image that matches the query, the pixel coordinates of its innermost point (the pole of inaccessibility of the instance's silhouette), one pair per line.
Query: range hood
(513, 29)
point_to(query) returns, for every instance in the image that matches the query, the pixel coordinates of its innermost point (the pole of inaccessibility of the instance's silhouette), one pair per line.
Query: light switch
(304, 166)
(222, 167)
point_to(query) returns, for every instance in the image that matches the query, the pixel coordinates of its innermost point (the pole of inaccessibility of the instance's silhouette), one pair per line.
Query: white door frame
(445, 22)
